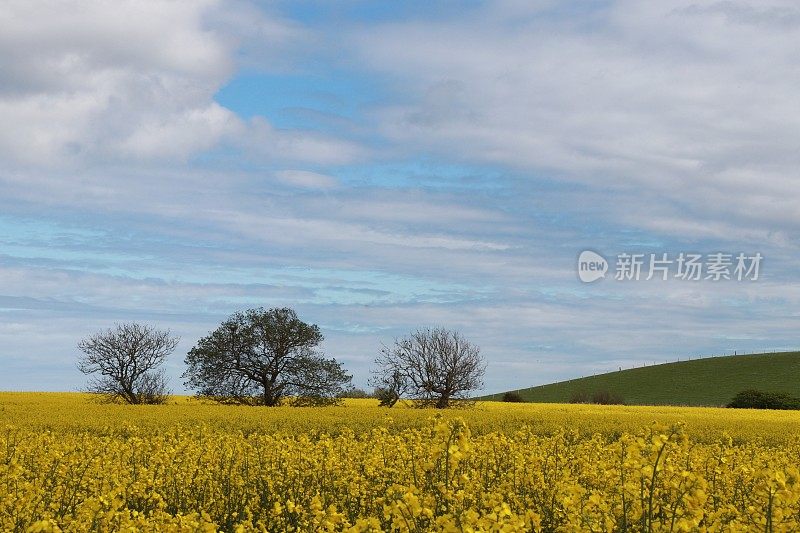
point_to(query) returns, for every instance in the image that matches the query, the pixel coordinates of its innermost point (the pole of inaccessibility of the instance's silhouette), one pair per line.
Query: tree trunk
(129, 396)
(443, 402)
(270, 399)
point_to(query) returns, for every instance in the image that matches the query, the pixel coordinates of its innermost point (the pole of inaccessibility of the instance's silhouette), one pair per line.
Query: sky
(384, 166)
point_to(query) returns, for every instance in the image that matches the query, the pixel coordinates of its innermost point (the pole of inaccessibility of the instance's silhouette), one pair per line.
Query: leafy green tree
(261, 357)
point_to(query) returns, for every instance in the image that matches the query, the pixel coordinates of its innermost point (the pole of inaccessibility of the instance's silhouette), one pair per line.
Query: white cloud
(694, 106)
(99, 79)
(306, 179)
(264, 142)
(85, 83)
(337, 234)
(264, 40)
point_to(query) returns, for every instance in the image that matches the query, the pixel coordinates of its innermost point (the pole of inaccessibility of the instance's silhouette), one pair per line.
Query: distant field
(713, 381)
(79, 413)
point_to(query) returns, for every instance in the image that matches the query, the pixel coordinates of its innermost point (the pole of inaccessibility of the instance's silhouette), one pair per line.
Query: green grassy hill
(712, 381)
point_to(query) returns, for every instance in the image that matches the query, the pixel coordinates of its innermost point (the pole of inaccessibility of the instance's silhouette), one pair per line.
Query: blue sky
(385, 166)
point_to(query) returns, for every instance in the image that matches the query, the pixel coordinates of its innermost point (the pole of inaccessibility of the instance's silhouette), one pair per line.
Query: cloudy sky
(380, 166)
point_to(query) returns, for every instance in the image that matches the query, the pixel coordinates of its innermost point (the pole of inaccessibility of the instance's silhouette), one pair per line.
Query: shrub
(602, 397)
(512, 397)
(579, 397)
(607, 398)
(355, 393)
(754, 399)
(386, 396)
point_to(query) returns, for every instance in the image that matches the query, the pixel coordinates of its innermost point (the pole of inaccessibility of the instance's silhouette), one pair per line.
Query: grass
(712, 381)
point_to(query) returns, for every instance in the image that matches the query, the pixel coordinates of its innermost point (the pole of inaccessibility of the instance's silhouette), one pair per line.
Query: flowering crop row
(434, 477)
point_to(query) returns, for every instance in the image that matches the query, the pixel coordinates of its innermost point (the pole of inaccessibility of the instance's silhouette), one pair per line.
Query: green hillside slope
(711, 381)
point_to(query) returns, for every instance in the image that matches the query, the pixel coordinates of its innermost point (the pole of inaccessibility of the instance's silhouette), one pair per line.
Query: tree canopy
(262, 357)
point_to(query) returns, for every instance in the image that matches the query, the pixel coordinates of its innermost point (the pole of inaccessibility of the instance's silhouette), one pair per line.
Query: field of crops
(69, 464)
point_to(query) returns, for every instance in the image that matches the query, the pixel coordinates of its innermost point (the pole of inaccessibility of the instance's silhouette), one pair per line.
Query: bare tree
(435, 366)
(125, 363)
(260, 357)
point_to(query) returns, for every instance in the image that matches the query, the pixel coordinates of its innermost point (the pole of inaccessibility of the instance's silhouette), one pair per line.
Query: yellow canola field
(70, 464)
